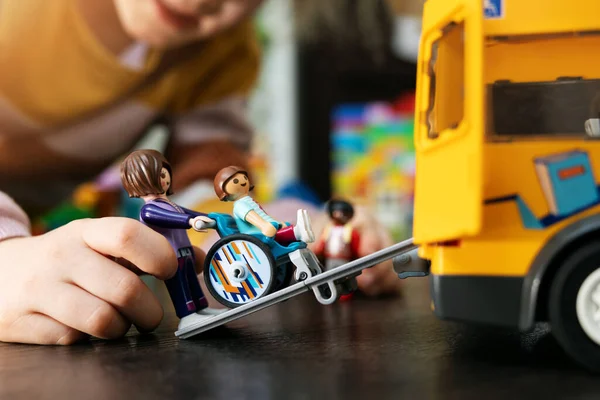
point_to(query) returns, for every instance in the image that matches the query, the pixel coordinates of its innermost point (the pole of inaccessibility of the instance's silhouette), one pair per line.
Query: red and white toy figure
(339, 241)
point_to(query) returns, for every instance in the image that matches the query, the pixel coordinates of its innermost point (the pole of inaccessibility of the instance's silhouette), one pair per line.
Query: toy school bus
(507, 206)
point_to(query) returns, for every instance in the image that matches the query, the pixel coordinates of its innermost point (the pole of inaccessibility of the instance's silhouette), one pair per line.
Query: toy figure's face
(165, 179)
(340, 217)
(168, 23)
(237, 186)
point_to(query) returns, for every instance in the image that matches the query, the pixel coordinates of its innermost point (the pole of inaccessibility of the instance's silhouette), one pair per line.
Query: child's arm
(60, 287)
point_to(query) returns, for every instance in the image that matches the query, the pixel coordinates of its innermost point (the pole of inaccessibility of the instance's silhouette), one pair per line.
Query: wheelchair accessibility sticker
(493, 9)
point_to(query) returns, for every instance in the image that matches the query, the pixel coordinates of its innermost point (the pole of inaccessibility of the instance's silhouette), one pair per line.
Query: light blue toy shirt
(241, 208)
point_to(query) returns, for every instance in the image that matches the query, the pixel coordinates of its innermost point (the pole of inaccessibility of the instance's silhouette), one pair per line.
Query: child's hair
(341, 205)
(140, 173)
(223, 176)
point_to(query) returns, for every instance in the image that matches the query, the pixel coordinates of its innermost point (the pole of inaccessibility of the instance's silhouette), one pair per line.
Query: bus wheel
(574, 305)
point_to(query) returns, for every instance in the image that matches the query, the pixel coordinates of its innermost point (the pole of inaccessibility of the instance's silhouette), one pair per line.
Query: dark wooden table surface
(367, 349)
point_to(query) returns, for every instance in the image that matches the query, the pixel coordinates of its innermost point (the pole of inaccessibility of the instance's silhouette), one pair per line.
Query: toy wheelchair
(240, 268)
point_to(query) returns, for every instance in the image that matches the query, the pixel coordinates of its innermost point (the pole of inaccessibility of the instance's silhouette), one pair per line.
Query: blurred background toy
(373, 159)
(339, 241)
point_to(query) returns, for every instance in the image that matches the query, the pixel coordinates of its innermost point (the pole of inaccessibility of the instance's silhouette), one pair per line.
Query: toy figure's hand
(62, 286)
(201, 223)
(269, 230)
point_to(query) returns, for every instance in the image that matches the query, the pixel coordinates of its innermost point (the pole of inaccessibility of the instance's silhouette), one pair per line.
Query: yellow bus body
(489, 213)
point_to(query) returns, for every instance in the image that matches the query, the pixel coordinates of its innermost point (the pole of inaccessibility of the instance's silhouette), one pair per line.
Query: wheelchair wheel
(239, 269)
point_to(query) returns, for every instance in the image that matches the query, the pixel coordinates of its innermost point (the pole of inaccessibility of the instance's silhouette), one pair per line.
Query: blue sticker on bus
(493, 9)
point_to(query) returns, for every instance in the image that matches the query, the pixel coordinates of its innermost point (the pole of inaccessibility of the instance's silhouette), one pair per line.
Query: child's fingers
(129, 265)
(129, 239)
(78, 309)
(392, 285)
(121, 288)
(369, 243)
(40, 329)
(369, 281)
(372, 239)
(381, 278)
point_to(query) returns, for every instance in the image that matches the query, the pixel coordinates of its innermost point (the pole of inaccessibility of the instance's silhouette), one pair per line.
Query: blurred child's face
(167, 23)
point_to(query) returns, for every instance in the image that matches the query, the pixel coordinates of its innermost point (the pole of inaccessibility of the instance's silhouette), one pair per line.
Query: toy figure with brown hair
(233, 184)
(147, 174)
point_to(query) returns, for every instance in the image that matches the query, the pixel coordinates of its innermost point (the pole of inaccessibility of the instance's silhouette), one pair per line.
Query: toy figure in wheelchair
(256, 254)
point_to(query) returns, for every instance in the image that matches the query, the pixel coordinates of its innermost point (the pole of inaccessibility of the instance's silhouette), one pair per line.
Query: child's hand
(380, 279)
(59, 287)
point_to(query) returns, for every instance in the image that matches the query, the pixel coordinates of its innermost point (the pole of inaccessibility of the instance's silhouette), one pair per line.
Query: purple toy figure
(147, 174)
